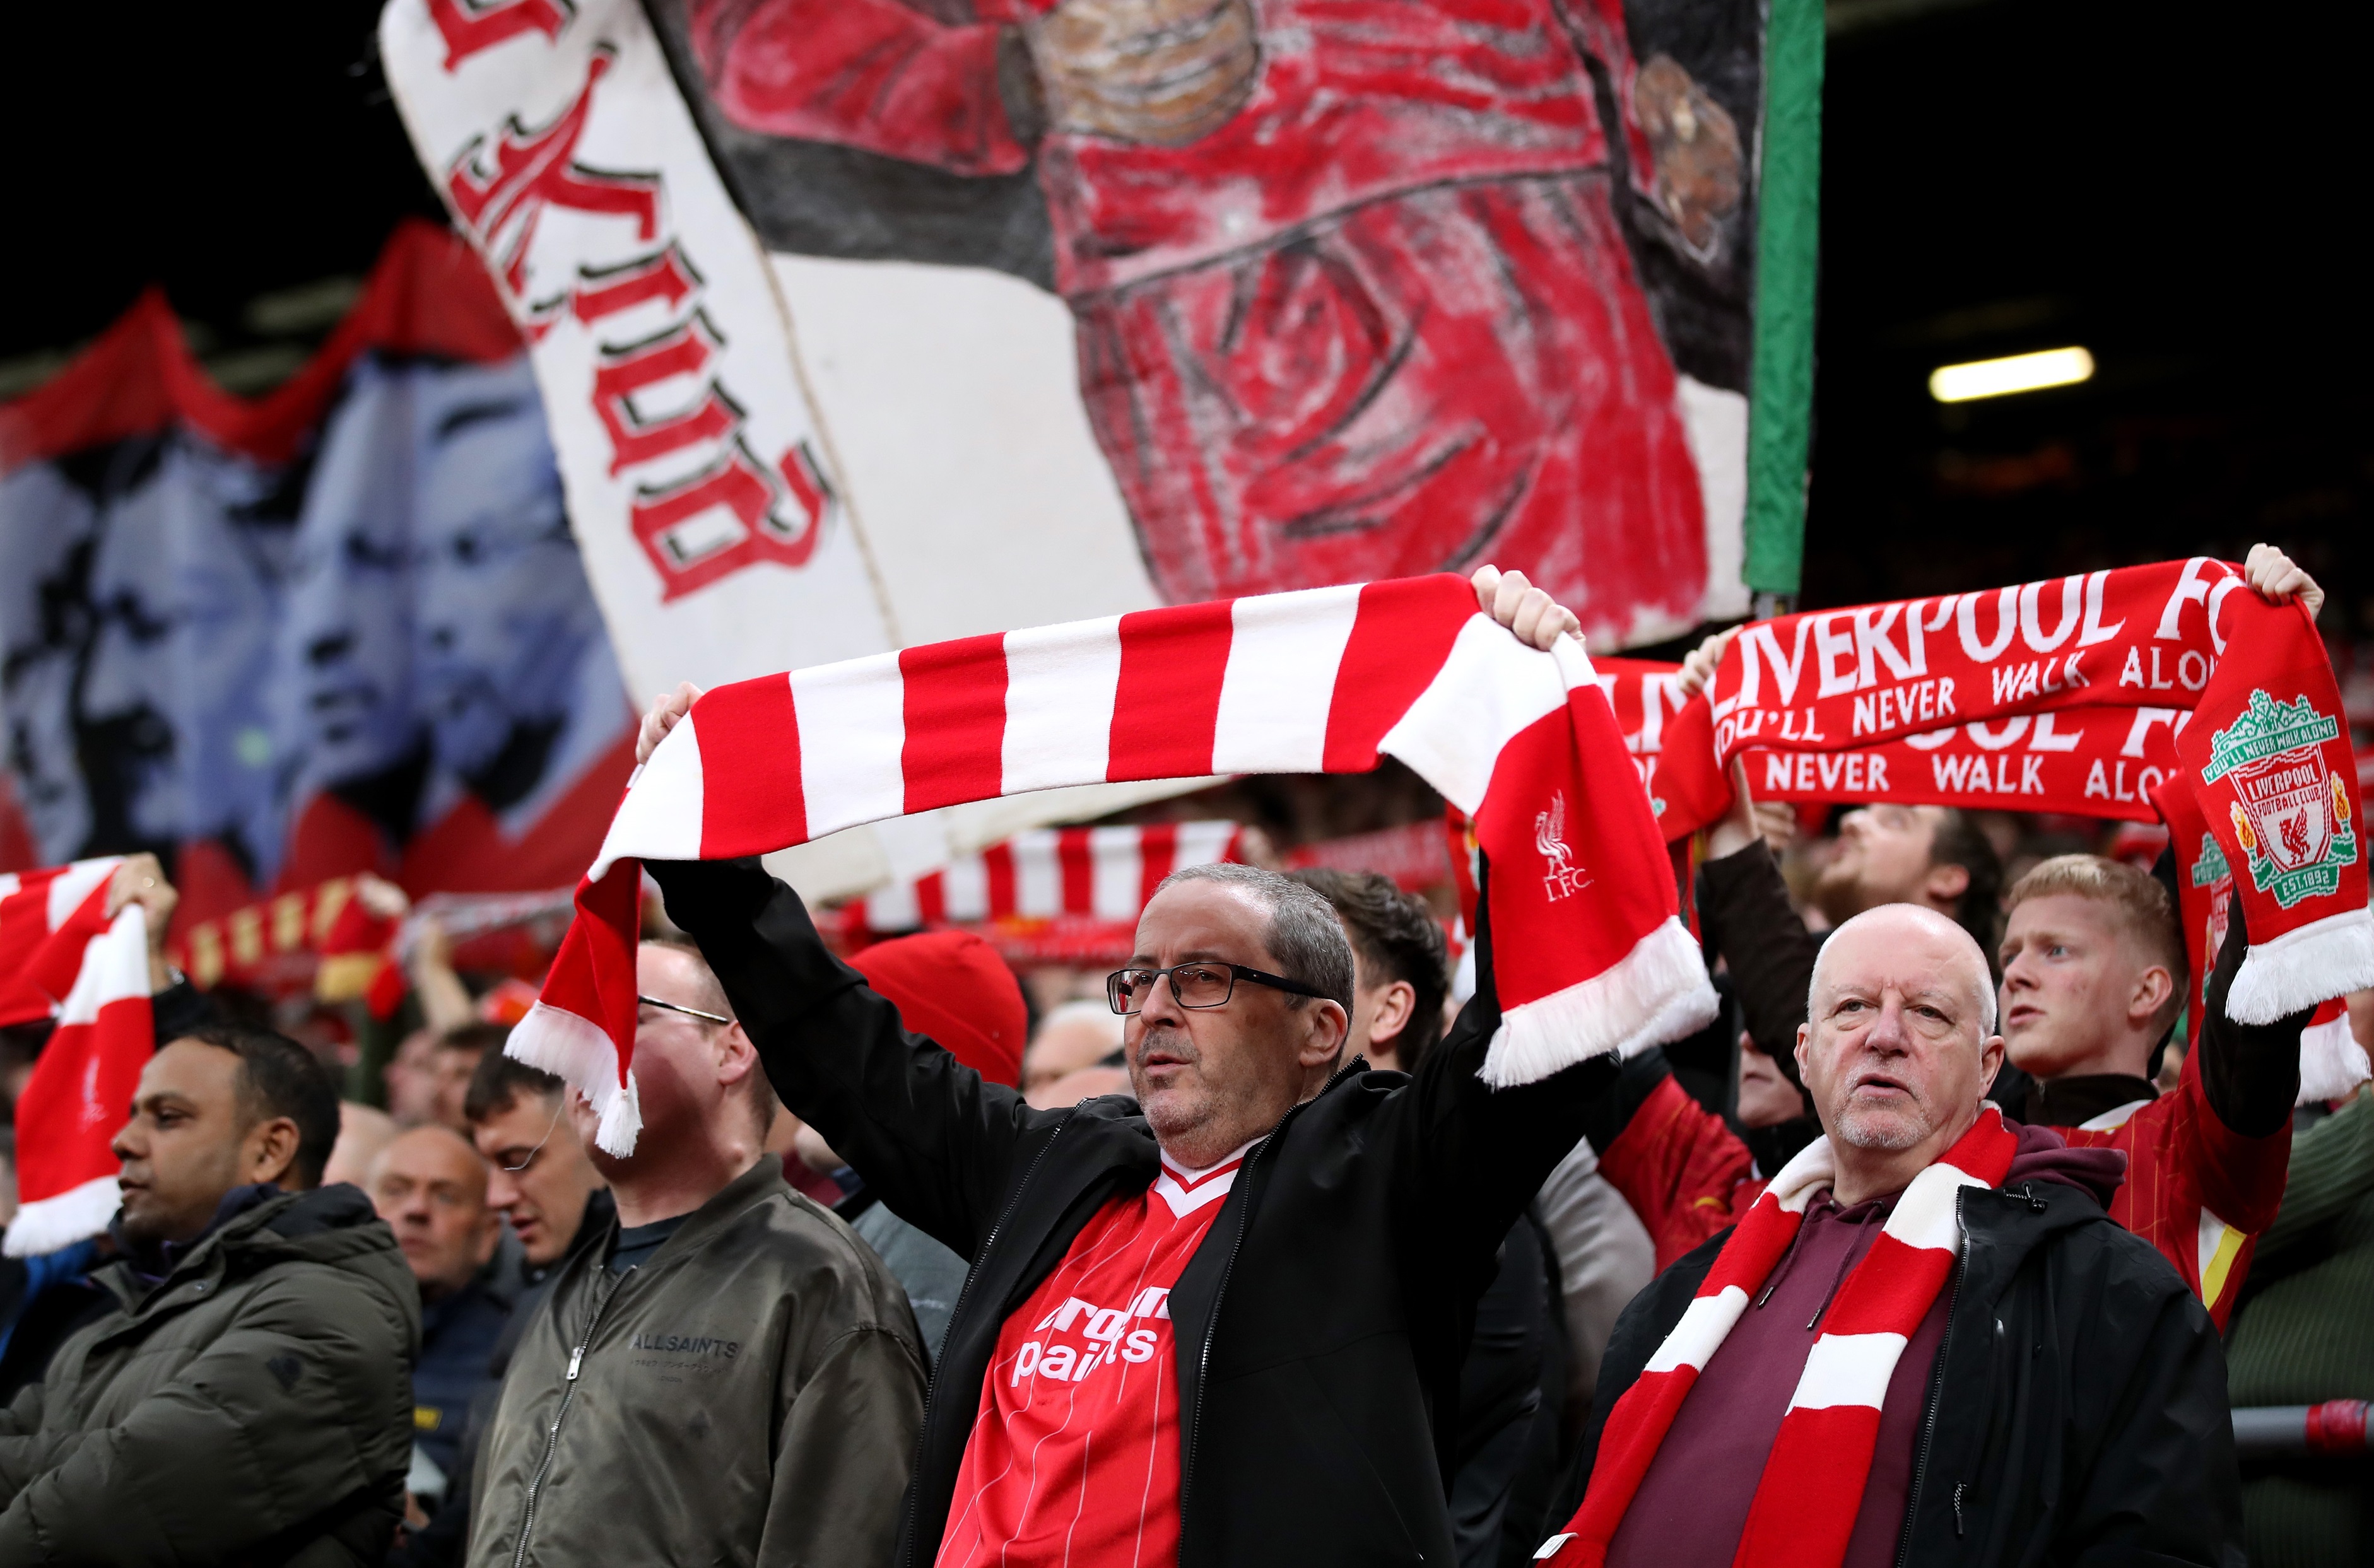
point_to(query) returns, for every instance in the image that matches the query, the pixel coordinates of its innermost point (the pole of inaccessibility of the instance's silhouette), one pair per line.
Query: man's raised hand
(1529, 612)
(1698, 670)
(2277, 578)
(663, 718)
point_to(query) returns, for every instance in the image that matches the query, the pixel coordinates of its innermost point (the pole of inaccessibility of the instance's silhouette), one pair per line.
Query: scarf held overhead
(2092, 694)
(1589, 956)
(1803, 1512)
(62, 958)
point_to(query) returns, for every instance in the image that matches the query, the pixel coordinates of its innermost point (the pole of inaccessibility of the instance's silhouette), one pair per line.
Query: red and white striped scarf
(60, 957)
(1804, 1508)
(1588, 957)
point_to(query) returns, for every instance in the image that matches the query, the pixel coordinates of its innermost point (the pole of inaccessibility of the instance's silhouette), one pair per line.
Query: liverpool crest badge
(2290, 812)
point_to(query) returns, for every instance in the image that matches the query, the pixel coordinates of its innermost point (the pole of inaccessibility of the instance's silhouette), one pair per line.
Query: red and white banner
(338, 628)
(1107, 873)
(62, 957)
(727, 530)
(1413, 856)
(2089, 694)
(1327, 680)
(288, 944)
(1017, 378)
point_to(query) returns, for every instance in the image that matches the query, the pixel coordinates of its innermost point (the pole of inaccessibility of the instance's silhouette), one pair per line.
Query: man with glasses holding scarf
(1220, 1324)
(721, 1372)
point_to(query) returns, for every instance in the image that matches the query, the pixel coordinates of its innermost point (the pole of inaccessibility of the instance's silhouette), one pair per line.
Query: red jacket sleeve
(1683, 1171)
(874, 75)
(2240, 1180)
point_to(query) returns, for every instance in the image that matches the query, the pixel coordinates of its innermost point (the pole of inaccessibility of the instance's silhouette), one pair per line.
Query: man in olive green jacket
(721, 1373)
(249, 1398)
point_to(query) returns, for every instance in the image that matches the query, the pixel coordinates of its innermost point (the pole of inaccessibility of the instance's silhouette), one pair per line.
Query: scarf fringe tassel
(578, 1053)
(2303, 967)
(48, 1223)
(1657, 992)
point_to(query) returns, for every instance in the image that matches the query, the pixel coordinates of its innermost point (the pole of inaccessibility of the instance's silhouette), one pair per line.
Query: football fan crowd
(1952, 1240)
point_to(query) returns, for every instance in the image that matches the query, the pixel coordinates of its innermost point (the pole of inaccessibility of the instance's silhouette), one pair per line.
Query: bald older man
(429, 1185)
(2047, 1388)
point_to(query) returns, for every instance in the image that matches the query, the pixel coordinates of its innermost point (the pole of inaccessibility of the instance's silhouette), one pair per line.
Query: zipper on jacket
(1937, 1391)
(1212, 1322)
(552, 1433)
(955, 1313)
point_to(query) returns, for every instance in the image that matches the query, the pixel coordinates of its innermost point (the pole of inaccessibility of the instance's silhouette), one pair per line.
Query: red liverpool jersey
(2196, 1189)
(1073, 1458)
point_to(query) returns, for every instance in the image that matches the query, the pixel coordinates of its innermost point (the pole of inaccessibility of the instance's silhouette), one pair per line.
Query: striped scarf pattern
(1806, 1504)
(1588, 957)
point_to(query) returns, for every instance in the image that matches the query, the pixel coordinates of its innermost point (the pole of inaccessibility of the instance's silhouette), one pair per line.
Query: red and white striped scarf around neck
(1804, 1508)
(1588, 957)
(62, 958)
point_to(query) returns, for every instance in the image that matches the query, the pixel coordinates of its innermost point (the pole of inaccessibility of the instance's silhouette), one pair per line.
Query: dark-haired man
(538, 1177)
(249, 1395)
(720, 1371)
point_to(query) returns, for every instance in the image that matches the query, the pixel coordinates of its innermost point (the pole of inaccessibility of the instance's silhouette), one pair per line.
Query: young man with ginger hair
(2094, 977)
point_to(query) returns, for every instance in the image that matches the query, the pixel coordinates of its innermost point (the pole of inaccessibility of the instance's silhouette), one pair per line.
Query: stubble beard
(1892, 1132)
(1175, 1112)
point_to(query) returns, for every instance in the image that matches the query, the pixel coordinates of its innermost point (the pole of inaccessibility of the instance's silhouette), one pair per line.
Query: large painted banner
(884, 321)
(341, 628)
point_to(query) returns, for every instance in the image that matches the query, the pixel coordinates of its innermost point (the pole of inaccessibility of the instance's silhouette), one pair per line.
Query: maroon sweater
(1693, 1502)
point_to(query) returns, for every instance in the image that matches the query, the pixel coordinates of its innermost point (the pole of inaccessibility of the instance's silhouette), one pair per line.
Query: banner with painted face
(340, 628)
(1068, 307)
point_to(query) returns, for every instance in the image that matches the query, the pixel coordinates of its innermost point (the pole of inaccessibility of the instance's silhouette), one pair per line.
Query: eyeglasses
(1191, 985)
(687, 1012)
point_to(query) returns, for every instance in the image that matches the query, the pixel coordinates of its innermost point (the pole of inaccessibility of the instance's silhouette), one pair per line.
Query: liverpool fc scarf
(2089, 693)
(1804, 1508)
(1589, 956)
(62, 958)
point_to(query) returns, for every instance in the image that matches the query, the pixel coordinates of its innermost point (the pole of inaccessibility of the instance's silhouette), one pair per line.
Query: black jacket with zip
(1320, 1326)
(2077, 1412)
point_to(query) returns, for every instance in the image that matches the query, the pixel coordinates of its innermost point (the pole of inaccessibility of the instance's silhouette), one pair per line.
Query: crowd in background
(490, 1187)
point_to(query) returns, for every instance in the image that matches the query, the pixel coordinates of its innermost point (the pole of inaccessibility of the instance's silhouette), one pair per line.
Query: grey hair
(1305, 939)
(1983, 991)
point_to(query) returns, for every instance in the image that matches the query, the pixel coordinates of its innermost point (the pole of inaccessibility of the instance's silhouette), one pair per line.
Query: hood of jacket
(331, 1225)
(2044, 1155)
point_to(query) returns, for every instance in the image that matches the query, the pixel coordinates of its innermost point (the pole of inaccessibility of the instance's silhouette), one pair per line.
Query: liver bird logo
(1560, 876)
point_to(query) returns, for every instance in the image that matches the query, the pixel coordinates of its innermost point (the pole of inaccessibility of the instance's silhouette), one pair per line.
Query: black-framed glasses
(687, 1012)
(1200, 984)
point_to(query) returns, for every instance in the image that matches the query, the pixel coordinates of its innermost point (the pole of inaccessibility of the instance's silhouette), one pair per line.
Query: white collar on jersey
(1186, 1192)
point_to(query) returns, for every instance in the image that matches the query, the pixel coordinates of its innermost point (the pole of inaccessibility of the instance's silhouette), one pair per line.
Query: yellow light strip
(2019, 373)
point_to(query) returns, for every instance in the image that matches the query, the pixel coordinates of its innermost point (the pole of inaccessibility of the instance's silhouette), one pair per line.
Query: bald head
(1923, 935)
(431, 1187)
(1899, 1044)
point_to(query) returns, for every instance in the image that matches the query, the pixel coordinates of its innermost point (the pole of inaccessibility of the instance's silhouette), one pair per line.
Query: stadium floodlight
(2017, 373)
